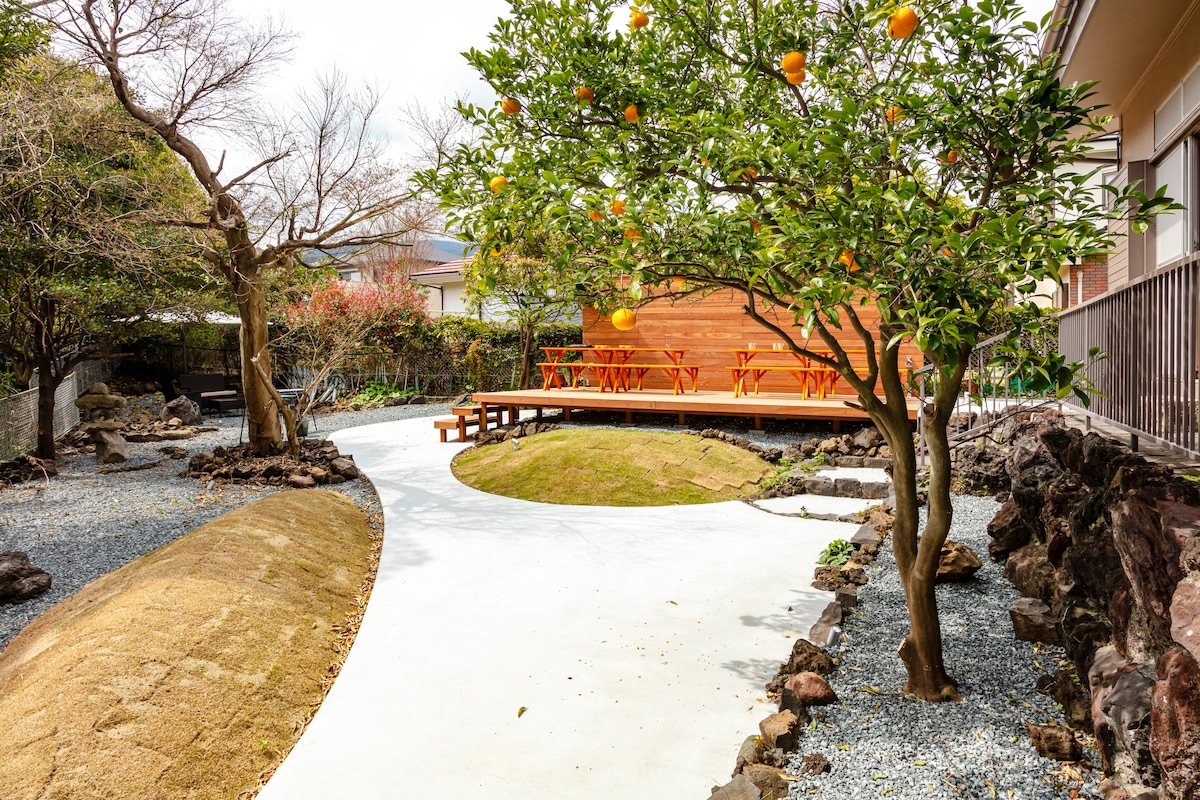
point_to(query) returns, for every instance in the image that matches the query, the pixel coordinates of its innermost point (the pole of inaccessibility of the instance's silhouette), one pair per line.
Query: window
(1171, 229)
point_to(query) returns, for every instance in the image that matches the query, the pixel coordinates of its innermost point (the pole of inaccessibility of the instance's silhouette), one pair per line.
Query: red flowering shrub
(389, 314)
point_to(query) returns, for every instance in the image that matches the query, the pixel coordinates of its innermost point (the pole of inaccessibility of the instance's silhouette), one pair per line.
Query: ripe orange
(511, 105)
(749, 173)
(637, 19)
(951, 157)
(617, 207)
(794, 62)
(947, 252)
(755, 225)
(796, 78)
(595, 215)
(895, 114)
(631, 113)
(847, 260)
(633, 234)
(623, 319)
(902, 23)
(584, 95)
(498, 184)
(497, 251)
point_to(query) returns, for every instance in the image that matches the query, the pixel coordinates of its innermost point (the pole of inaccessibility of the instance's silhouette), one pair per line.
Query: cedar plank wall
(709, 328)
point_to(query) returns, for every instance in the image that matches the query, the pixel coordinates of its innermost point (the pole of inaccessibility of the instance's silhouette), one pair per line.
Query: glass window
(1171, 228)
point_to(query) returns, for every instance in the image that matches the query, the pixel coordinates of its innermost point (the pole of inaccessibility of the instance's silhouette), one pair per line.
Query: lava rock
(740, 788)
(811, 689)
(1054, 742)
(20, 580)
(1030, 571)
(1033, 622)
(956, 563)
(780, 731)
(830, 578)
(344, 467)
(815, 764)
(769, 780)
(183, 409)
(1008, 531)
(300, 481)
(1185, 617)
(1175, 724)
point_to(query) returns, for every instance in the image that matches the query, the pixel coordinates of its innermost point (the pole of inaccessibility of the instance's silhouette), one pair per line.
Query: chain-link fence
(430, 373)
(19, 412)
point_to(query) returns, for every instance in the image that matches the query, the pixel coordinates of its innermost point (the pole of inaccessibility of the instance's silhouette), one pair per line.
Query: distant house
(447, 287)
(1142, 305)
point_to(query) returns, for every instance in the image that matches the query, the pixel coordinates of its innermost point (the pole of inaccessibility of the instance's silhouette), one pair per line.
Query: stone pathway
(522, 650)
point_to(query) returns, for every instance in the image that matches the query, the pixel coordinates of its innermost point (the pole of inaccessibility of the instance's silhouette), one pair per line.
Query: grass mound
(190, 671)
(601, 467)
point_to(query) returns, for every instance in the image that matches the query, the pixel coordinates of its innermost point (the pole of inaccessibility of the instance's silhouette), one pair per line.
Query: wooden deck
(770, 405)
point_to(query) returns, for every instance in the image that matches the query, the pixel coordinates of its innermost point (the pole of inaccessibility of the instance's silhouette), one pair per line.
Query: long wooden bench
(466, 417)
(822, 378)
(624, 374)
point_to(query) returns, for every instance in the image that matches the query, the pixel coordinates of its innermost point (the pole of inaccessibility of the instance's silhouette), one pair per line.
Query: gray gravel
(887, 746)
(81, 524)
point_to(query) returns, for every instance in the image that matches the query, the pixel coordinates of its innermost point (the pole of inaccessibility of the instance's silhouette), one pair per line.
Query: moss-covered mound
(188, 672)
(603, 467)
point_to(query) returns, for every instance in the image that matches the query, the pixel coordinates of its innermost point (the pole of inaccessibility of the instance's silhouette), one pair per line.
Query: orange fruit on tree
(750, 173)
(624, 319)
(595, 215)
(617, 207)
(796, 78)
(584, 95)
(633, 234)
(637, 19)
(631, 113)
(951, 157)
(511, 105)
(755, 225)
(902, 23)
(498, 184)
(794, 62)
(847, 260)
(895, 114)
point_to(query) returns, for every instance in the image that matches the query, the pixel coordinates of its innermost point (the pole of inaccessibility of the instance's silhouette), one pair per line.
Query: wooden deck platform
(770, 405)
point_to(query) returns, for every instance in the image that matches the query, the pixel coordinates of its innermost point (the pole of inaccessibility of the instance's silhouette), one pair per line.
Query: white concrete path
(638, 640)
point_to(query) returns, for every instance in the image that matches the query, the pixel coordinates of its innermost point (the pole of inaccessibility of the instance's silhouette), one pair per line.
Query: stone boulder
(814, 764)
(769, 781)
(1175, 724)
(867, 438)
(344, 467)
(100, 411)
(183, 409)
(956, 563)
(1030, 571)
(1008, 530)
(1066, 689)
(1033, 622)
(780, 731)
(740, 788)
(1123, 729)
(1185, 617)
(20, 580)
(810, 689)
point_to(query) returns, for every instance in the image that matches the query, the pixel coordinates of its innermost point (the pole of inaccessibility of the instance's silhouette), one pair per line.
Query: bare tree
(182, 67)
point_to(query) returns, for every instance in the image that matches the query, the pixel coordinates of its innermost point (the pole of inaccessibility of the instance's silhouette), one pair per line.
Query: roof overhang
(1114, 42)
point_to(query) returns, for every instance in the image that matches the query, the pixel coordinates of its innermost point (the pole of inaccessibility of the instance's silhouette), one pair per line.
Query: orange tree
(821, 157)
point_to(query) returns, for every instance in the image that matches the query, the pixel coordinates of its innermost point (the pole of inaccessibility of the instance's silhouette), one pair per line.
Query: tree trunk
(526, 352)
(262, 416)
(921, 650)
(48, 383)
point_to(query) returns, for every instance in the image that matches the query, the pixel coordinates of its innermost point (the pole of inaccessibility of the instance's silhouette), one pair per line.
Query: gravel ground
(887, 746)
(82, 524)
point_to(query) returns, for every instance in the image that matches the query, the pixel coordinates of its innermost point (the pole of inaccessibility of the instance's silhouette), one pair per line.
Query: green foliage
(836, 553)
(20, 34)
(376, 393)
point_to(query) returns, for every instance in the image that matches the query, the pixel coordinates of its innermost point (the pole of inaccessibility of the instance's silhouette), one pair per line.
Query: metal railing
(19, 412)
(1147, 383)
(993, 390)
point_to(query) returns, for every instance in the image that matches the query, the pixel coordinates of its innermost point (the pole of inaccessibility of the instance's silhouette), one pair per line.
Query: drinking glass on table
(753, 346)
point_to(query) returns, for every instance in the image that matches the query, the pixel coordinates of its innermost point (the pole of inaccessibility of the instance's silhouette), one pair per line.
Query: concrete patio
(637, 639)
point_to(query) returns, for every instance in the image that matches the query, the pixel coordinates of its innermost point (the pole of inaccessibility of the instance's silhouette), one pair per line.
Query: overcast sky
(411, 50)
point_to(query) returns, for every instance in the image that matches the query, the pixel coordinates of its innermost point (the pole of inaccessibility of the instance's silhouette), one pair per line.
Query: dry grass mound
(602, 467)
(190, 671)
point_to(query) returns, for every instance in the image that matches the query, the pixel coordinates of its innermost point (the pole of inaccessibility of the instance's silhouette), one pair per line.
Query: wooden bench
(822, 377)
(624, 374)
(464, 417)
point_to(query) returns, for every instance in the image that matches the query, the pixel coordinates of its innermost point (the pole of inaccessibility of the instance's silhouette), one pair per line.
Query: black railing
(1147, 331)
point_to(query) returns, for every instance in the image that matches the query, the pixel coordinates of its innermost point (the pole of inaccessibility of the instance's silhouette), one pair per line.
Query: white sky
(411, 50)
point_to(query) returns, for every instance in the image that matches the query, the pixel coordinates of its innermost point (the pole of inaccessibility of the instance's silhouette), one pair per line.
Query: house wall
(709, 329)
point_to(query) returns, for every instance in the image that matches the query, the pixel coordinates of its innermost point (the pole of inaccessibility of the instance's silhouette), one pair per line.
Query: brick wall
(1095, 281)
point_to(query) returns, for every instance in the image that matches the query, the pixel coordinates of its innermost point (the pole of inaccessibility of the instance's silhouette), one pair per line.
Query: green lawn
(602, 467)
